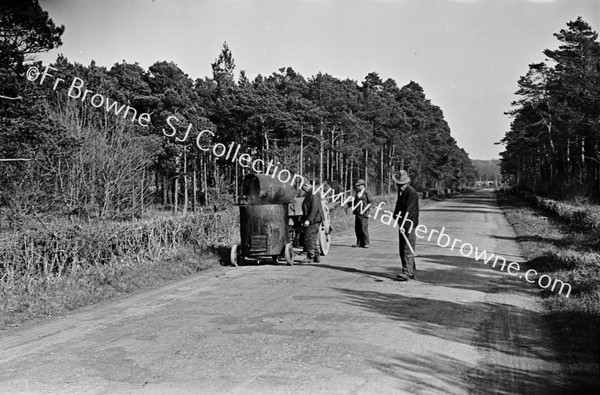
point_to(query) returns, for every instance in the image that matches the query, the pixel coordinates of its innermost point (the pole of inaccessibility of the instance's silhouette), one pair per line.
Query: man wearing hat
(407, 213)
(362, 200)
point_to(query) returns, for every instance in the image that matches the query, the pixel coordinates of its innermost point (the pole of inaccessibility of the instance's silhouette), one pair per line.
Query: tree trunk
(185, 182)
(345, 172)
(391, 167)
(568, 161)
(366, 168)
(236, 185)
(133, 199)
(205, 178)
(194, 183)
(142, 194)
(167, 190)
(321, 154)
(327, 165)
(338, 166)
(216, 178)
(582, 165)
(301, 165)
(176, 194)
(158, 186)
(518, 173)
(381, 172)
(176, 183)
(341, 168)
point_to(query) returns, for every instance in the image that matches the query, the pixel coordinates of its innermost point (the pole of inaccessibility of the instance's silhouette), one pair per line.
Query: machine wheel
(289, 254)
(325, 229)
(324, 239)
(234, 255)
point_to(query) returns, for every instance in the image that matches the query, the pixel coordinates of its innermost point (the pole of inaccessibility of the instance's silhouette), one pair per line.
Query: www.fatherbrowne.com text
(231, 153)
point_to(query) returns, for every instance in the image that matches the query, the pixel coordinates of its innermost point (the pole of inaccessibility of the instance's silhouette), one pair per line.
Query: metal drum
(262, 189)
(264, 229)
(264, 220)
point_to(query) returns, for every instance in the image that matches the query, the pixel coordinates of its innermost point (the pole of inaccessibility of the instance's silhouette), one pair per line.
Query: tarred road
(342, 326)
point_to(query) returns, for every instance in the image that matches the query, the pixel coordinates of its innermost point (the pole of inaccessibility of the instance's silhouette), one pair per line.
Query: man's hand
(306, 223)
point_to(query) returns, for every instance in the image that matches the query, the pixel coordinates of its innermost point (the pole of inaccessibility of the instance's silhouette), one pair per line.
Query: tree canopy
(553, 144)
(88, 161)
(25, 29)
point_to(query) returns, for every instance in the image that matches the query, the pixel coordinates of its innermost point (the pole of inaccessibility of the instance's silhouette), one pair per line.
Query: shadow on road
(373, 274)
(451, 321)
(475, 199)
(505, 334)
(442, 368)
(559, 242)
(467, 210)
(464, 273)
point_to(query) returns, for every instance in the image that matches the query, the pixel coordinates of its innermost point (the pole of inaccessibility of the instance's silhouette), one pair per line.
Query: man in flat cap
(407, 212)
(312, 217)
(362, 201)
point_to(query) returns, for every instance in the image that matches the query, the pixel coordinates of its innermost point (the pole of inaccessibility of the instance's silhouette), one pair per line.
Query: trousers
(406, 255)
(310, 240)
(361, 228)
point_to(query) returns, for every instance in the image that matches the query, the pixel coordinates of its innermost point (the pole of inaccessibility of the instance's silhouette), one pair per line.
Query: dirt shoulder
(561, 249)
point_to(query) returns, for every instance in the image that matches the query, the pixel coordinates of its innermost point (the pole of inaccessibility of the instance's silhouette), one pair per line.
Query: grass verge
(54, 296)
(571, 254)
(49, 271)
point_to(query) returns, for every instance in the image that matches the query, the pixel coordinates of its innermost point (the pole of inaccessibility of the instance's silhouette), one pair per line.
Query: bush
(65, 266)
(60, 248)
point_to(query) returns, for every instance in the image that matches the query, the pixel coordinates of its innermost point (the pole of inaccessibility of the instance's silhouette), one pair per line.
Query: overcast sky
(467, 54)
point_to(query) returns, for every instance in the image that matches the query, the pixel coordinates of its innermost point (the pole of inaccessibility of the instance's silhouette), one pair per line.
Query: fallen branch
(16, 159)
(11, 98)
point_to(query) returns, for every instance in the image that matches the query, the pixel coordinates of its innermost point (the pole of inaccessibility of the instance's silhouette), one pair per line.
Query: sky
(466, 54)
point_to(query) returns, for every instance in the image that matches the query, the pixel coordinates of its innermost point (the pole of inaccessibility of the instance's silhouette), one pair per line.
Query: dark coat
(311, 208)
(365, 200)
(407, 206)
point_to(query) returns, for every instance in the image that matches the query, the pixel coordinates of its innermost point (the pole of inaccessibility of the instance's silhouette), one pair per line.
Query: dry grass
(578, 213)
(567, 250)
(49, 271)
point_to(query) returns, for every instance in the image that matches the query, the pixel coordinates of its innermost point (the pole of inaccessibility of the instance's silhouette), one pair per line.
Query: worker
(312, 216)
(407, 214)
(361, 204)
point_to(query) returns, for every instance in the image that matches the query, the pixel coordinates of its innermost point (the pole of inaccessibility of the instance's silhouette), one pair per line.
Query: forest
(553, 146)
(63, 156)
(487, 170)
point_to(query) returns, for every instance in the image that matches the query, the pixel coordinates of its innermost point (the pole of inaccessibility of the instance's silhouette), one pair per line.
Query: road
(341, 326)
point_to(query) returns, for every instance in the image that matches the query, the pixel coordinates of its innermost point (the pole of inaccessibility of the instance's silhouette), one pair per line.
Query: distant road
(342, 326)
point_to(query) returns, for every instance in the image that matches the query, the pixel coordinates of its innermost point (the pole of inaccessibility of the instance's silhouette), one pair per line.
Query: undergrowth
(64, 266)
(577, 213)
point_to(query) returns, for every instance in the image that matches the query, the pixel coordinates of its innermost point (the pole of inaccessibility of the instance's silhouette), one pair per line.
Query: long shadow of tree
(504, 329)
(437, 374)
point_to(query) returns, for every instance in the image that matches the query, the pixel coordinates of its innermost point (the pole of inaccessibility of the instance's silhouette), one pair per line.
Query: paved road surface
(342, 326)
